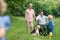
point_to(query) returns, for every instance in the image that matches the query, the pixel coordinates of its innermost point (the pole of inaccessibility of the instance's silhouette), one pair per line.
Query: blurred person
(29, 15)
(4, 20)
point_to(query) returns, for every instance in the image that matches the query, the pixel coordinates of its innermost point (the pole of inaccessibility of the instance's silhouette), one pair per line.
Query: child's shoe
(50, 35)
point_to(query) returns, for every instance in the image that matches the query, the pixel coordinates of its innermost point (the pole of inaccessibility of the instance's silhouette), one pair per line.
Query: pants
(44, 29)
(30, 26)
(3, 38)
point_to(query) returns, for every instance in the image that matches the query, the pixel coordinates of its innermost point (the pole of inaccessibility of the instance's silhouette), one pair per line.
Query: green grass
(18, 31)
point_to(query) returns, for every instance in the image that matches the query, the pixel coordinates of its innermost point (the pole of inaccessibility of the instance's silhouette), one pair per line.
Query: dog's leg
(37, 32)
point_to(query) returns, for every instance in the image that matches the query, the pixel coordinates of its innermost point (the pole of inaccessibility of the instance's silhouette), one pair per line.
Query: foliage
(18, 30)
(18, 7)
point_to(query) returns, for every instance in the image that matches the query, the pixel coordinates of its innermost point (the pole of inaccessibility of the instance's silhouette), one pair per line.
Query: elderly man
(4, 20)
(41, 19)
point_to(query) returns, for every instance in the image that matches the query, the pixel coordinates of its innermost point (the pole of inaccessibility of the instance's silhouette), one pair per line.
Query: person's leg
(31, 26)
(42, 29)
(50, 33)
(45, 30)
(28, 26)
(52, 30)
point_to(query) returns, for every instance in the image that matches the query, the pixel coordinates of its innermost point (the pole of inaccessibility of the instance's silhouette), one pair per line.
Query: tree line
(18, 7)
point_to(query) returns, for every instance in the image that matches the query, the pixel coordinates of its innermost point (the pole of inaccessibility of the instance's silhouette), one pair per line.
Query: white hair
(30, 4)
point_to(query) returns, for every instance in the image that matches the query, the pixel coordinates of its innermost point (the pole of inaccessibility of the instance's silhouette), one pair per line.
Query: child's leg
(52, 30)
(41, 29)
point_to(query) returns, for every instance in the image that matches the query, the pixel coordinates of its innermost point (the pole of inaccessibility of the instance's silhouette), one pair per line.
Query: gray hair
(30, 4)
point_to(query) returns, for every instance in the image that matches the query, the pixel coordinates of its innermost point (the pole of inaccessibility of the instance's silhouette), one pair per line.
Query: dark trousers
(43, 29)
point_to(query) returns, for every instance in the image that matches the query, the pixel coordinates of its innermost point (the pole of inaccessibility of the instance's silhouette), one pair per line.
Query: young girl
(4, 20)
(50, 25)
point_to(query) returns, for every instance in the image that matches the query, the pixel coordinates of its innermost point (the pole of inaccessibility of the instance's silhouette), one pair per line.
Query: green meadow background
(18, 30)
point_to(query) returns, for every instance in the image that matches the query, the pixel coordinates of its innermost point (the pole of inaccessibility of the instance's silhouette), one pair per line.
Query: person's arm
(46, 18)
(34, 15)
(25, 14)
(37, 19)
(52, 23)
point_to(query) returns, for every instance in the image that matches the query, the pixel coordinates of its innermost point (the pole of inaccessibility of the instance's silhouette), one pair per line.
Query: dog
(36, 30)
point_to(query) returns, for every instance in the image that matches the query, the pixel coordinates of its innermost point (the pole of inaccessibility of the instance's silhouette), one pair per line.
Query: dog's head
(37, 27)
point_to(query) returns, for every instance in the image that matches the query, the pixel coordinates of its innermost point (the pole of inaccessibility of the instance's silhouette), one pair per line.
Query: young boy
(50, 25)
(4, 20)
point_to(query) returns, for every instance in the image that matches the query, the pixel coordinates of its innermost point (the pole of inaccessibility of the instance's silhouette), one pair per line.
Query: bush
(18, 7)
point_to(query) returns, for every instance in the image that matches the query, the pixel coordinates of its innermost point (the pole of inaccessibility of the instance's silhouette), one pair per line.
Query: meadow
(18, 30)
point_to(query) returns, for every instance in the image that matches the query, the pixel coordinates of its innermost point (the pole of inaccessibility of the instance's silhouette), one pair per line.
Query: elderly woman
(29, 14)
(4, 20)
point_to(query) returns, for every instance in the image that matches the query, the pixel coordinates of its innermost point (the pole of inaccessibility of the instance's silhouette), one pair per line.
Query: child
(50, 25)
(4, 20)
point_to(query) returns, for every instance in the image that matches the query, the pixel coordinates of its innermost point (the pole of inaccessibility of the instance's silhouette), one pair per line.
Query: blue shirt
(5, 22)
(50, 24)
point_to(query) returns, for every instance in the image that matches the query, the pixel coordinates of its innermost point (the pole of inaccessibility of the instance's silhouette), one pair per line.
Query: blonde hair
(50, 16)
(3, 6)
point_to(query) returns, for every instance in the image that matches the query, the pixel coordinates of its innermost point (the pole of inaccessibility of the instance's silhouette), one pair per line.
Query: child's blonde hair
(50, 16)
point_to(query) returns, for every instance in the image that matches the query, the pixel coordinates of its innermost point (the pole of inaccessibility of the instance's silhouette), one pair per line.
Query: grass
(18, 30)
